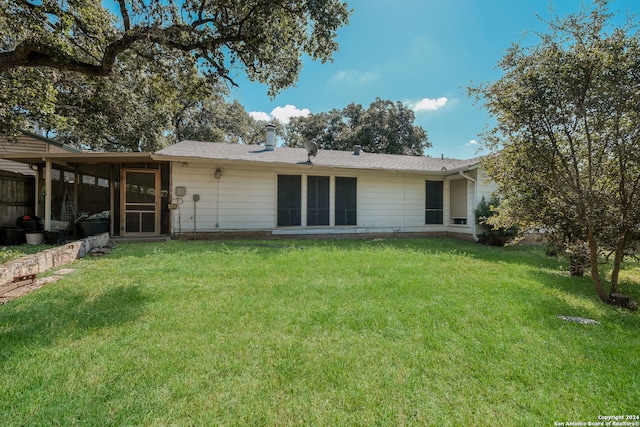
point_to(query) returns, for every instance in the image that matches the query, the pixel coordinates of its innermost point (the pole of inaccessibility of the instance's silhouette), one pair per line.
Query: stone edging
(51, 258)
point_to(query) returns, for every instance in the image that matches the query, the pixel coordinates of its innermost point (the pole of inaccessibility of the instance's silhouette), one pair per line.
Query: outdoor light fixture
(217, 174)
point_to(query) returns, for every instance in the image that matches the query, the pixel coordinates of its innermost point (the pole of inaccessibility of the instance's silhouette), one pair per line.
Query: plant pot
(34, 238)
(30, 223)
(56, 237)
(91, 227)
(11, 236)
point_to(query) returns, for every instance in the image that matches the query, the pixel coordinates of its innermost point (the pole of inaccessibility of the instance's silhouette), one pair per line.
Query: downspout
(474, 227)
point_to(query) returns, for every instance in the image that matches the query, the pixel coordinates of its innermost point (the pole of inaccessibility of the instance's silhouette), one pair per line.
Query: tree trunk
(617, 263)
(595, 274)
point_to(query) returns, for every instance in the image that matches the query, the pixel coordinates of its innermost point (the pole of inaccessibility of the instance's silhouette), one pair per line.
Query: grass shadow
(43, 318)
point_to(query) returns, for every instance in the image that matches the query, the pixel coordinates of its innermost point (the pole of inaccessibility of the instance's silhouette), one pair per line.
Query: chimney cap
(356, 150)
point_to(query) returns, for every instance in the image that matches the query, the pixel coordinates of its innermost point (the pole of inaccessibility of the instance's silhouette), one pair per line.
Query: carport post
(47, 195)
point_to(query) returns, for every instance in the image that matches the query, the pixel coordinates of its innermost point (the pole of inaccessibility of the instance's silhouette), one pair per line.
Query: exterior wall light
(217, 174)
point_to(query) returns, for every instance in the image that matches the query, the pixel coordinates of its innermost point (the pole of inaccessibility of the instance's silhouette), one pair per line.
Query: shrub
(488, 233)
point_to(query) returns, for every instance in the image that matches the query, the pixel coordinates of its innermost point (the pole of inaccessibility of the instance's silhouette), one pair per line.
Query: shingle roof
(327, 158)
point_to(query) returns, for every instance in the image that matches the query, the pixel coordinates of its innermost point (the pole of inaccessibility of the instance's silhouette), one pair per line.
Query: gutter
(474, 227)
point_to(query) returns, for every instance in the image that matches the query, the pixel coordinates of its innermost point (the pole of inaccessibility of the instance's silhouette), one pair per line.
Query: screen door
(140, 212)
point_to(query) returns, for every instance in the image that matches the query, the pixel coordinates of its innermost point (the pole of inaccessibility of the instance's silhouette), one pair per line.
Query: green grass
(392, 332)
(10, 253)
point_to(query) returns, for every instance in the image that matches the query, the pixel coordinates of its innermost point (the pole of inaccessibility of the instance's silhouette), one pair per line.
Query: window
(317, 200)
(434, 197)
(346, 197)
(289, 200)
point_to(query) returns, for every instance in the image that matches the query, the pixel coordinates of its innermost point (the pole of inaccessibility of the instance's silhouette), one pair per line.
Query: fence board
(17, 197)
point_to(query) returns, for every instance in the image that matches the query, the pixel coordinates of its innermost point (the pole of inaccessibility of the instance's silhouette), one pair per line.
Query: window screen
(346, 201)
(289, 200)
(434, 197)
(317, 200)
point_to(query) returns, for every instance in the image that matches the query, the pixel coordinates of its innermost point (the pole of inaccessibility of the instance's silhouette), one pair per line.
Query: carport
(130, 189)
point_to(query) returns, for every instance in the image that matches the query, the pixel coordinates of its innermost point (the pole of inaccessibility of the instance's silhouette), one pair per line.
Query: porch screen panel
(346, 201)
(434, 202)
(289, 200)
(317, 200)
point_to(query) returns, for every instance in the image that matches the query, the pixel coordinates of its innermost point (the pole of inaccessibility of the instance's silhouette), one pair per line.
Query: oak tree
(566, 147)
(384, 127)
(46, 42)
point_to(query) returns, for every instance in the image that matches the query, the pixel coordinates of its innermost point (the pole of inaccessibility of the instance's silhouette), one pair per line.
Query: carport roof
(78, 158)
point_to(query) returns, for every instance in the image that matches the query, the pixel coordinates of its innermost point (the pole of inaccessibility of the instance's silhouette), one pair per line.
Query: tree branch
(31, 53)
(125, 15)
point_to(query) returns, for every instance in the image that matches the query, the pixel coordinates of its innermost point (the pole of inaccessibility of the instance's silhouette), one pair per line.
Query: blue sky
(423, 53)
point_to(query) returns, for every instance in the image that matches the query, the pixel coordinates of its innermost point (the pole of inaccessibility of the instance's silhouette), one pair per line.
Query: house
(197, 189)
(284, 191)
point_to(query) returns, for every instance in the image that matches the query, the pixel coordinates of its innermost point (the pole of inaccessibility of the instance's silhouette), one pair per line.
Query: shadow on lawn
(267, 248)
(43, 319)
(559, 294)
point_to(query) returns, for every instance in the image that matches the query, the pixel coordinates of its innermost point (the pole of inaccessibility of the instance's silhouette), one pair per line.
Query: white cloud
(260, 115)
(281, 113)
(472, 142)
(427, 104)
(288, 111)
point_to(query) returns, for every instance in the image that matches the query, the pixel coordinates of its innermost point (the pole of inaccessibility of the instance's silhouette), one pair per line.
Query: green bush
(488, 233)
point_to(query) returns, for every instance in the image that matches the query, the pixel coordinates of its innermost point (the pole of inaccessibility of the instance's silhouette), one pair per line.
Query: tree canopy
(385, 127)
(54, 52)
(567, 141)
(267, 37)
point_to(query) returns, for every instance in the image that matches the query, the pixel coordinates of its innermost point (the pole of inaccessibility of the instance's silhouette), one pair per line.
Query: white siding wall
(396, 202)
(486, 187)
(381, 200)
(242, 199)
(246, 198)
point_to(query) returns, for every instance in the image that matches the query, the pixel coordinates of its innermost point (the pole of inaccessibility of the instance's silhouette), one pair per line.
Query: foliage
(489, 232)
(147, 106)
(393, 332)
(55, 52)
(385, 127)
(218, 122)
(567, 141)
(266, 37)
(9, 254)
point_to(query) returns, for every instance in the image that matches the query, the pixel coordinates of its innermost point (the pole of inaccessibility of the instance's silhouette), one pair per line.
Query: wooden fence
(17, 197)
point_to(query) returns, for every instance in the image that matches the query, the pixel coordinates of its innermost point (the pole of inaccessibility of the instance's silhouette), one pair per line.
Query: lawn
(386, 332)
